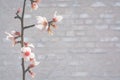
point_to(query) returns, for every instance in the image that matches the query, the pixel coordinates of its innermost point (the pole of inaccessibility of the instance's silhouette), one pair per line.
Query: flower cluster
(34, 4)
(13, 35)
(27, 53)
(26, 48)
(44, 24)
(29, 56)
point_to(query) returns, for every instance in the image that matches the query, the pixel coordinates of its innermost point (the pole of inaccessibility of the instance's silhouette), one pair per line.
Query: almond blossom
(12, 36)
(42, 23)
(34, 6)
(57, 18)
(27, 54)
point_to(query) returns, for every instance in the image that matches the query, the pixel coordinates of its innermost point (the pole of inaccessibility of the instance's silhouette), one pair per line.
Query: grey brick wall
(86, 45)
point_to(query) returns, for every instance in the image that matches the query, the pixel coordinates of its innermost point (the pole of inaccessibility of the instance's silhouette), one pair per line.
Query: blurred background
(85, 46)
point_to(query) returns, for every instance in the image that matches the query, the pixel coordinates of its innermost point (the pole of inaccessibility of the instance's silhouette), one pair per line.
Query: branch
(29, 26)
(23, 67)
(17, 37)
(19, 42)
(22, 39)
(17, 17)
(27, 69)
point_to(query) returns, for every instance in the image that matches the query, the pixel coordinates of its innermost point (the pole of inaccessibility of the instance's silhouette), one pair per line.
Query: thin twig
(17, 37)
(27, 69)
(17, 17)
(29, 26)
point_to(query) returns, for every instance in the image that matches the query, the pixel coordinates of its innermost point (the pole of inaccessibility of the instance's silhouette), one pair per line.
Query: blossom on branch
(13, 36)
(57, 18)
(42, 23)
(27, 54)
(33, 63)
(34, 6)
(26, 47)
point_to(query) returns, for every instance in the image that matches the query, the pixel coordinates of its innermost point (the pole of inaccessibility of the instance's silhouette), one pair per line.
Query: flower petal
(56, 17)
(24, 49)
(32, 55)
(40, 19)
(39, 26)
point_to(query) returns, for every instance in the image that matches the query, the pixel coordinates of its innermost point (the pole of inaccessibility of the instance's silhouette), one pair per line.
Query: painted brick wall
(86, 45)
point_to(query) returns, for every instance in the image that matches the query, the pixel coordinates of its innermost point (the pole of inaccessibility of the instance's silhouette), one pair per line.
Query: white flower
(57, 18)
(36, 63)
(34, 6)
(28, 55)
(31, 45)
(11, 37)
(42, 23)
(32, 55)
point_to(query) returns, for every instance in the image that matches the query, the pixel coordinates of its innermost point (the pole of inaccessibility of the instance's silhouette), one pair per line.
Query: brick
(98, 4)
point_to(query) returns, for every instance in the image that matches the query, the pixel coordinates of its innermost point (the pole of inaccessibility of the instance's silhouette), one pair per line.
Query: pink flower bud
(31, 65)
(19, 10)
(34, 6)
(57, 18)
(15, 33)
